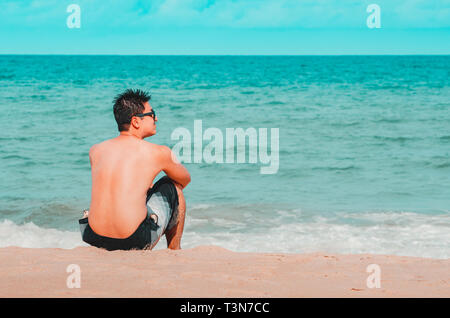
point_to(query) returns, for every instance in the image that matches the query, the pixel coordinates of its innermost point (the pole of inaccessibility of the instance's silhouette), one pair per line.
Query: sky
(225, 27)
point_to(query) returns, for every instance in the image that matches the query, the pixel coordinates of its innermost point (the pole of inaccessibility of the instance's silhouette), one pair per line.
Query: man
(127, 211)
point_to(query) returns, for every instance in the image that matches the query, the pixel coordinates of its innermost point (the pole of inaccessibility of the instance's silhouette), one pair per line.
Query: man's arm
(173, 168)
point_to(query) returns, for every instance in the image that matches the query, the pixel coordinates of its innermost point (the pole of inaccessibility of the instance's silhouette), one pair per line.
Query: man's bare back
(123, 170)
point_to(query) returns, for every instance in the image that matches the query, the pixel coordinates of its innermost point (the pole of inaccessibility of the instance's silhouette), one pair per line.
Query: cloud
(298, 13)
(252, 13)
(233, 13)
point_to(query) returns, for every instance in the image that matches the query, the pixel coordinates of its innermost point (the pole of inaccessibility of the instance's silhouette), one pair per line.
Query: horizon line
(69, 54)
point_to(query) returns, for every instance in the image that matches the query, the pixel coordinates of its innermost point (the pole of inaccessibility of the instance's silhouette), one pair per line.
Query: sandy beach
(210, 271)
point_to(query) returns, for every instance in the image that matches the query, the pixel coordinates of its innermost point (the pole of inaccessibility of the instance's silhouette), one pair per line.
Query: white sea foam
(201, 206)
(33, 236)
(406, 234)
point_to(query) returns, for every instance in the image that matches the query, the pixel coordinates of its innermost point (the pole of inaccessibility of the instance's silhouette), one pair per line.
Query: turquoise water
(364, 147)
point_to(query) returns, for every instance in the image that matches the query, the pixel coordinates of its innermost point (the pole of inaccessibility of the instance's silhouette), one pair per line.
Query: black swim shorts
(162, 202)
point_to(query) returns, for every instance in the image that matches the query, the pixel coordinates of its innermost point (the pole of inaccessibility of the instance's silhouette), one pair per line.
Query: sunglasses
(152, 114)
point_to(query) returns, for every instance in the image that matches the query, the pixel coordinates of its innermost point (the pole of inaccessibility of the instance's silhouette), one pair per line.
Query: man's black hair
(127, 105)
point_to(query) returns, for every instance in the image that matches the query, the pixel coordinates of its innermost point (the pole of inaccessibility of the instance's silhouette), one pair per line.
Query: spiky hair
(127, 105)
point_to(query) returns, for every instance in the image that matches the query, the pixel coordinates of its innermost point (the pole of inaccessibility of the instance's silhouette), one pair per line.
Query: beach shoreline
(211, 271)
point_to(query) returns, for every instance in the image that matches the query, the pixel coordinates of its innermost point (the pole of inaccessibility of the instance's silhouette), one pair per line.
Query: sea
(362, 148)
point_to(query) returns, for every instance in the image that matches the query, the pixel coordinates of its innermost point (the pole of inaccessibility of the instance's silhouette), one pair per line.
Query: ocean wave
(201, 206)
(7, 76)
(438, 162)
(32, 236)
(331, 168)
(276, 102)
(389, 120)
(391, 233)
(283, 231)
(16, 157)
(14, 138)
(442, 165)
(345, 124)
(396, 139)
(38, 97)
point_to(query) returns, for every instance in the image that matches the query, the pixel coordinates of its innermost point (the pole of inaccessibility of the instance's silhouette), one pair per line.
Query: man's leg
(173, 236)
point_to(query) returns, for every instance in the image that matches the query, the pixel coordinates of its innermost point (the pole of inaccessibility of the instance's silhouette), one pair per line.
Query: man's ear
(135, 122)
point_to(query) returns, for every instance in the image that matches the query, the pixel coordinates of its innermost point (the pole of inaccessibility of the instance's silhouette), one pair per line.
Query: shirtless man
(127, 210)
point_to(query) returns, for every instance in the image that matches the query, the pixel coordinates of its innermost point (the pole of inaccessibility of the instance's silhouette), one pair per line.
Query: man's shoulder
(93, 149)
(155, 148)
(98, 146)
(144, 147)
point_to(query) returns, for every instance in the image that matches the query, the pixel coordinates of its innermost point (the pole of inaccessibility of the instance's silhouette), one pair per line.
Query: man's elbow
(182, 183)
(187, 181)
